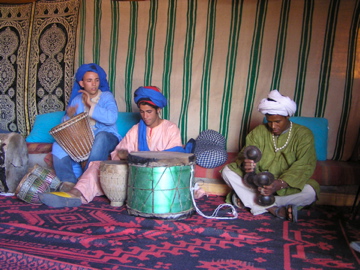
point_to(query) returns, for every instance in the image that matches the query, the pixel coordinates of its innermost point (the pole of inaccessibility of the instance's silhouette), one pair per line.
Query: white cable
(216, 211)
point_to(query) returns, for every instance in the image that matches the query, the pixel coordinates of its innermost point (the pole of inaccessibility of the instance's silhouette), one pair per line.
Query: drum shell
(113, 180)
(159, 184)
(159, 190)
(47, 176)
(30, 187)
(75, 136)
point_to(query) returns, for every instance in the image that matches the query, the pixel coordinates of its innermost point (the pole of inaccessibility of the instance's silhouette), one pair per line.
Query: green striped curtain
(216, 59)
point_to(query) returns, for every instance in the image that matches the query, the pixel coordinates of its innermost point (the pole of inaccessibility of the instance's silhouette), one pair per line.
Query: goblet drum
(113, 180)
(75, 136)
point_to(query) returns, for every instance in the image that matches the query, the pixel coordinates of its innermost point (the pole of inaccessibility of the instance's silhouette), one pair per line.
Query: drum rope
(216, 211)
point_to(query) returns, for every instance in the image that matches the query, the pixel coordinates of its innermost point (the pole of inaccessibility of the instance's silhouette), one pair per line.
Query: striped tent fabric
(216, 59)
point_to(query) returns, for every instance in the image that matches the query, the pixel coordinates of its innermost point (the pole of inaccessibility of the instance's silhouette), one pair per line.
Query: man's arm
(106, 110)
(129, 144)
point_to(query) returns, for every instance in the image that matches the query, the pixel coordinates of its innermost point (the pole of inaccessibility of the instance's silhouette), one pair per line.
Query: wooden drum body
(113, 180)
(159, 184)
(75, 136)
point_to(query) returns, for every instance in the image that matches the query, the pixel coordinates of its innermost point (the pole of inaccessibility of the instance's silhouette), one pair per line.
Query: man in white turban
(278, 104)
(281, 149)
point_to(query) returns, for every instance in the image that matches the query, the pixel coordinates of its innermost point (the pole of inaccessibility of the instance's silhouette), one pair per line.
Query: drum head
(160, 158)
(114, 162)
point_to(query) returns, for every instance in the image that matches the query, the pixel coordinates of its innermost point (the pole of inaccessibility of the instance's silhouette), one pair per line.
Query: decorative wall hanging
(14, 34)
(37, 47)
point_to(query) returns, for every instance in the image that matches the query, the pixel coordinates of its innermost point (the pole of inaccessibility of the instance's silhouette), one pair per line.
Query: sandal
(236, 201)
(277, 212)
(291, 212)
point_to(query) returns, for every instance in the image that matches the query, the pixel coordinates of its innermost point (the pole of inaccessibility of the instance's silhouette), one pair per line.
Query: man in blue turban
(90, 94)
(92, 67)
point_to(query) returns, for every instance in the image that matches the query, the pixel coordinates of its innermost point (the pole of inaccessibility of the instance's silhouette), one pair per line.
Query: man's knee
(230, 177)
(105, 140)
(225, 171)
(224, 175)
(101, 136)
(310, 194)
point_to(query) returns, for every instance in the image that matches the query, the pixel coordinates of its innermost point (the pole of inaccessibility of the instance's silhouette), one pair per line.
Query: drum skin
(159, 185)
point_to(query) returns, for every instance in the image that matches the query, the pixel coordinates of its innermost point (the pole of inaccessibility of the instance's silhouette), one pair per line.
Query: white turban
(277, 104)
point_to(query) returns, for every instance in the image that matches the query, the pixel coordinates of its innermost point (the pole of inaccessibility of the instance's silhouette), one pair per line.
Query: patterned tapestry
(37, 65)
(51, 62)
(14, 34)
(216, 59)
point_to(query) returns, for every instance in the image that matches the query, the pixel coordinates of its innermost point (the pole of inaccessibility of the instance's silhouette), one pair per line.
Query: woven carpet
(99, 236)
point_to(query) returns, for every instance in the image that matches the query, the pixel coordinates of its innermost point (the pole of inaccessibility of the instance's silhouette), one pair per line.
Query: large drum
(159, 184)
(113, 179)
(75, 136)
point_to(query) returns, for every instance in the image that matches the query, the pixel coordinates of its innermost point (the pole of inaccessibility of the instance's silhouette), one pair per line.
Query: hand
(86, 98)
(70, 111)
(271, 189)
(267, 190)
(249, 165)
(123, 154)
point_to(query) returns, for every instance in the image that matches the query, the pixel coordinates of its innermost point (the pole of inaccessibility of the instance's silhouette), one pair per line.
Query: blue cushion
(126, 120)
(43, 124)
(320, 128)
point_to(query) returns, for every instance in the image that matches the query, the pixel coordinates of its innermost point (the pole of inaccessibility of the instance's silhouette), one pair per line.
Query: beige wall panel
(314, 61)
(178, 62)
(159, 46)
(219, 62)
(291, 59)
(218, 69)
(123, 32)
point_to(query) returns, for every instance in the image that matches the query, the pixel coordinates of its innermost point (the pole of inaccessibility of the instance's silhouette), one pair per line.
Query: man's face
(149, 115)
(90, 83)
(277, 124)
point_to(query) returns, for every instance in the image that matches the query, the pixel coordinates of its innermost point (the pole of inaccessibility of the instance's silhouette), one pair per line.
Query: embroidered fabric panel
(51, 66)
(14, 33)
(37, 70)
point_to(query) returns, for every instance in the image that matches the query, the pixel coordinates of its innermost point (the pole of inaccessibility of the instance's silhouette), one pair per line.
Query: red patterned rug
(99, 236)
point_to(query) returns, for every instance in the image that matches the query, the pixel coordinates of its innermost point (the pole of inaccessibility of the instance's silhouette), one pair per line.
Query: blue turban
(150, 93)
(104, 85)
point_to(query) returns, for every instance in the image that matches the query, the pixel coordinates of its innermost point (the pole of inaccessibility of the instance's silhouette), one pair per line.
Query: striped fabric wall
(216, 59)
